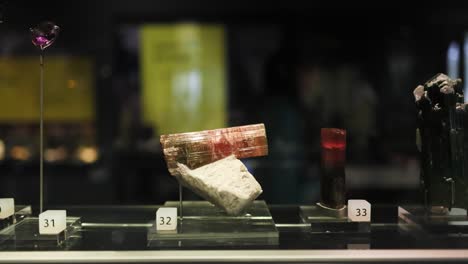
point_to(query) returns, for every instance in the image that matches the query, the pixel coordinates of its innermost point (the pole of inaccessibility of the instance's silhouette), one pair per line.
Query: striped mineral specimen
(195, 149)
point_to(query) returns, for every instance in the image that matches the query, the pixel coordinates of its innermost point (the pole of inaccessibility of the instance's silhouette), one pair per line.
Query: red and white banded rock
(195, 149)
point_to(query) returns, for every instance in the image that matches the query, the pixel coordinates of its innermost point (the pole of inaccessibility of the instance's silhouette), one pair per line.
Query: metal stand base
(327, 220)
(21, 212)
(25, 235)
(444, 222)
(204, 225)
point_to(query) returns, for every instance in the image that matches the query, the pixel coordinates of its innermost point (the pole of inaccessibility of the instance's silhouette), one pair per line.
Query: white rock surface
(226, 183)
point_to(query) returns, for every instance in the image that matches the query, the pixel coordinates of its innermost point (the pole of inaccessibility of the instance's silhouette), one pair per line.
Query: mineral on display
(442, 141)
(44, 34)
(195, 149)
(226, 183)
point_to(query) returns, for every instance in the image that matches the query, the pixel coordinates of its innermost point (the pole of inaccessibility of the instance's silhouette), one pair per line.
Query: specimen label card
(166, 219)
(52, 222)
(7, 207)
(359, 211)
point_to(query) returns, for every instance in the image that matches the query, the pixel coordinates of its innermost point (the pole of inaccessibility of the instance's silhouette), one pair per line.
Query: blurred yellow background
(183, 77)
(68, 84)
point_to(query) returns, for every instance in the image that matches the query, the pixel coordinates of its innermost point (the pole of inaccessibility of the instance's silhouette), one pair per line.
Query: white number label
(7, 207)
(359, 211)
(52, 222)
(166, 219)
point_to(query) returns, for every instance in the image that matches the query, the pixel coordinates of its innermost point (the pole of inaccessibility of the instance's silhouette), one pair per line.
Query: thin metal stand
(41, 136)
(181, 204)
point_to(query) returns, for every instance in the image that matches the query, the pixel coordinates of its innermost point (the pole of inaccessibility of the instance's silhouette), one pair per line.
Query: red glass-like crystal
(196, 149)
(333, 146)
(333, 138)
(332, 180)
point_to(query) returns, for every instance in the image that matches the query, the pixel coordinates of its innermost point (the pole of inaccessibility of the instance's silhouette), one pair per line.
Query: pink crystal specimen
(44, 34)
(196, 149)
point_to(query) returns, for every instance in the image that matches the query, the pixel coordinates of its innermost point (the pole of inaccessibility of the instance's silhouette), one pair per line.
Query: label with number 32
(166, 219)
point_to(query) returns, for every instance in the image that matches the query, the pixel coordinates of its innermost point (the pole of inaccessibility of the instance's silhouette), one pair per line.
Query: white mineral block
(226, 183)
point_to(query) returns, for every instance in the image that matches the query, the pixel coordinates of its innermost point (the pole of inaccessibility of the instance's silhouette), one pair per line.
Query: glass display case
(225, 132)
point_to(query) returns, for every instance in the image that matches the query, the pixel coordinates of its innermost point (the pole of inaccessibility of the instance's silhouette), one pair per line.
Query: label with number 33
(359, 211)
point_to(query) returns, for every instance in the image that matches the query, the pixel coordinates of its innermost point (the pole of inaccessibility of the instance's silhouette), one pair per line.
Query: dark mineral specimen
(442, 139)
(332, 180)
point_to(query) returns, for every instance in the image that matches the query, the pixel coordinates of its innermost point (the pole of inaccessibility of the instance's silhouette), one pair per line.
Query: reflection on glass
(465, 61)
(2, 150)
(453, 60)
(21, 153)
(87, 154)
(55, 154)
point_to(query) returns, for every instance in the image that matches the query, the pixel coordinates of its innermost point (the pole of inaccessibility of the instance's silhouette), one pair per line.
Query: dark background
(359, 63)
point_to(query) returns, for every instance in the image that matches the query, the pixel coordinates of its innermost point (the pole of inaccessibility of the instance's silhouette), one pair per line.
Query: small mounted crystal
(44, 34)
(195, 149)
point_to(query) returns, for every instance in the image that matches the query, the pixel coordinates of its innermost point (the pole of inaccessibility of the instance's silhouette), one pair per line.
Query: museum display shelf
(119, 234)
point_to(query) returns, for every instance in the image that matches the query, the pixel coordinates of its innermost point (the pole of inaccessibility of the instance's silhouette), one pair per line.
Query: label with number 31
(359, 211)
(52, 222)
(166, 219)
